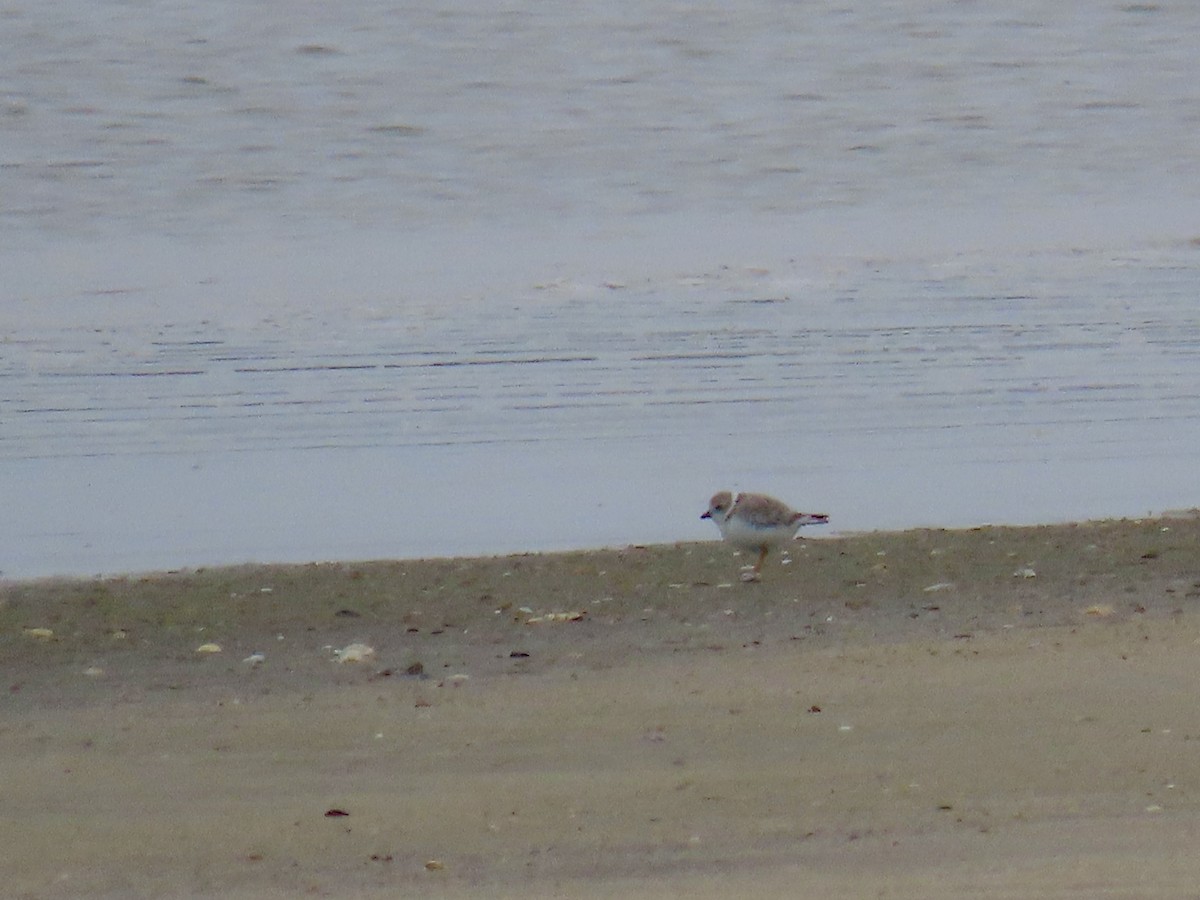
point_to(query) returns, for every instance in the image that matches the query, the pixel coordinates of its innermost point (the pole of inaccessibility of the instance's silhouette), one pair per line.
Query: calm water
(307, 281)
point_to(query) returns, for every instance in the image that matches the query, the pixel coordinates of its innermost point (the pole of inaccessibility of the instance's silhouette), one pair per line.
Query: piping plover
(757, 522)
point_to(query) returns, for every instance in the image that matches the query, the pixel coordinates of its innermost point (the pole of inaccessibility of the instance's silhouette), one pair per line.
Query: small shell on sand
(354, 653)
(209, 648)
(557, 617)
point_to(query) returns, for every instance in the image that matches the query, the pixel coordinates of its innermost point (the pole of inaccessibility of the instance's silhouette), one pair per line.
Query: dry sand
(1000, 712)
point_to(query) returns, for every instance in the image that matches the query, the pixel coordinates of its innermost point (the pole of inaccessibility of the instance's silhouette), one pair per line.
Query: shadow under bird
(757, 522)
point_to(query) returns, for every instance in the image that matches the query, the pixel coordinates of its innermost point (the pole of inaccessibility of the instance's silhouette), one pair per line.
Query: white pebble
(354, 653)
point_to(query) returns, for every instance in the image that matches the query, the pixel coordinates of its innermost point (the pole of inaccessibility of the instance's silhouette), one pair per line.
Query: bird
(757, 522)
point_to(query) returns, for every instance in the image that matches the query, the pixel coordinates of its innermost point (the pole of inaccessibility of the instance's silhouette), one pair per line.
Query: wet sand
(1000, 712)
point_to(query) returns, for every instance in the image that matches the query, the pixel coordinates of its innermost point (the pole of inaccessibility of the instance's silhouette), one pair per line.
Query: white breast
(742, 534)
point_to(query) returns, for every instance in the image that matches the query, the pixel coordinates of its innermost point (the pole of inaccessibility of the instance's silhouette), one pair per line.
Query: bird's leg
(753, 574)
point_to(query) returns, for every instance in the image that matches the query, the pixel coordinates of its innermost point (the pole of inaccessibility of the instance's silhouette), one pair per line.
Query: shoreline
(807, 536)
(999, 709)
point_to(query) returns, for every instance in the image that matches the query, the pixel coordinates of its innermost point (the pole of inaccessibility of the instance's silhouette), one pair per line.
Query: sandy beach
(999, 712)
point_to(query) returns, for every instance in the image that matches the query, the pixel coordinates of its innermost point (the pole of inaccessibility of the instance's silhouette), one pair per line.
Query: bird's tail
(810, 519)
